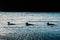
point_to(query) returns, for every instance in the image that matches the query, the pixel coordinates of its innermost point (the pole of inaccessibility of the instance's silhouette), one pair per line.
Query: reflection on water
(37, 32)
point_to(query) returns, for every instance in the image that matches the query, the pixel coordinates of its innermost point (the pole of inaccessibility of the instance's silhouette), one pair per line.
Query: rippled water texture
(39, 31)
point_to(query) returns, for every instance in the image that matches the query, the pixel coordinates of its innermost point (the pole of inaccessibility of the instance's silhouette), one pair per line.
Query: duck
(50, 24)
(10, 23)
(27, 24)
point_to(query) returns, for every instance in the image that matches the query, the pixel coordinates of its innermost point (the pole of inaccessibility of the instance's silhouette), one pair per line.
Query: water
(40, 31)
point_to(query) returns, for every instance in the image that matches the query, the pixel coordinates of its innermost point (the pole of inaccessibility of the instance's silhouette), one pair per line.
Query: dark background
(24, 6)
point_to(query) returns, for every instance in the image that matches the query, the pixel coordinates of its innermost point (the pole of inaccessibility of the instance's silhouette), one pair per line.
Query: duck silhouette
(50, 24)
(27, 24)
(10, 23)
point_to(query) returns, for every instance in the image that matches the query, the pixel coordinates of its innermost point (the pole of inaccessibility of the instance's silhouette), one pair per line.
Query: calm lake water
(39, 31)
